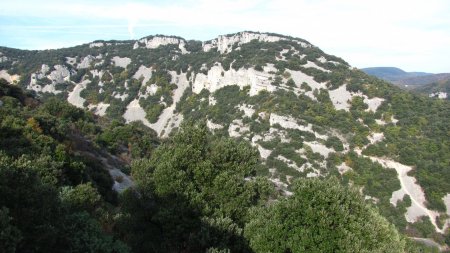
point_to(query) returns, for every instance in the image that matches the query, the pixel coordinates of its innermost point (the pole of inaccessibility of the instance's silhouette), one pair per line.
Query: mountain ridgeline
(277, 120)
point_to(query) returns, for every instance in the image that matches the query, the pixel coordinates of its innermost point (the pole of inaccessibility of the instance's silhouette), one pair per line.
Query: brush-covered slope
(308, 113)
(60, 171)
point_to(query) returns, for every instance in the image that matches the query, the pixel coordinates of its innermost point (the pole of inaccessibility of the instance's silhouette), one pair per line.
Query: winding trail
(410, 187)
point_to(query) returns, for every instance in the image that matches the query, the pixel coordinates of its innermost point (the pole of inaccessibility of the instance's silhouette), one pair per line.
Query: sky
(411, 34)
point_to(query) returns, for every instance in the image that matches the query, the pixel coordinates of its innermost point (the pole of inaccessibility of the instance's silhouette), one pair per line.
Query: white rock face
(264, 153)
(237, 128)
(289, 163)
(150, 90)
(71, 60)
(322, 59)
(282, 57)
(157, 41)
(119, 96)
(311, 64)
(212, 100)
(213, 126)
(144, 72)
(396, 196)
(343, 168)
(96, 44)
(74, 96)
(50, 88)
(225, 43)
(300, 77)
(99, 109)
(60, 75)
(121, 62)
(247, 109)
(10, 78)
(320, 148)
(341, 98)
(218, 78)
(446, 200)
(86, 62)
(375, 137)
(441, 95)
(373, 103)
(97, 73)
(168, 119)
(135, 112)
(291, 123)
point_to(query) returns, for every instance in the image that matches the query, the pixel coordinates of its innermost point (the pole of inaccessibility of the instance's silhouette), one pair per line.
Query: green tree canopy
(321, 216)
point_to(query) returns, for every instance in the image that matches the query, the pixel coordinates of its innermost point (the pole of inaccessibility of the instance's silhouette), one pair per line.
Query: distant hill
(434, 85)
(424, 80)
(392, 74)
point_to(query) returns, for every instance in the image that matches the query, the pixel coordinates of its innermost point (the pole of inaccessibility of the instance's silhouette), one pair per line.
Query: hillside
(392, 74)
(308, 114)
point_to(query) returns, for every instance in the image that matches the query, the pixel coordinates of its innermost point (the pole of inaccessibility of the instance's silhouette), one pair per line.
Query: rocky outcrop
(224, 43)
(217, 78)
(157, 41)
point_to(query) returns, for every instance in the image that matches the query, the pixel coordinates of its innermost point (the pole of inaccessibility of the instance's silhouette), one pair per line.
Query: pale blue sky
(413, 35)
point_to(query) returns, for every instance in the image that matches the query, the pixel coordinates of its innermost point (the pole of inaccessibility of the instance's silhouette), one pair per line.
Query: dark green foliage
(81, 233)
(335, 143)
(45, 184)
(196, 192)
(321, 216)
(32, 205)
(134, 138)
(10, 235)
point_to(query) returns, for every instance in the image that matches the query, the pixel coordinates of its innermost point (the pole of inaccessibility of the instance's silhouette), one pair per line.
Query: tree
(321, 216)
(10, 235)
(194, 194)
(81, 233)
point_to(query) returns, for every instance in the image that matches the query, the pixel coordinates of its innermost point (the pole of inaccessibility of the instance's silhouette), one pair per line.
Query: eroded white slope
(99, 109)
(341, 99)
(410, 187)
(10, 78)
(224, 43)
(143, 72)
(121, 61)
(217, 78)
(158, 41)
(289, 122)
(168, 119)
(74, 96)
(135, 112)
